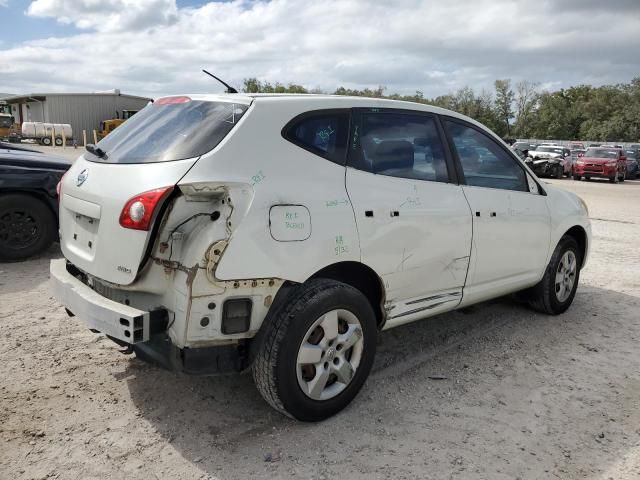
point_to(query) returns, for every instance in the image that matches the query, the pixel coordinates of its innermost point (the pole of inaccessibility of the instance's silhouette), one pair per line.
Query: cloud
(107, 15)
(152, 47)
(4, 3)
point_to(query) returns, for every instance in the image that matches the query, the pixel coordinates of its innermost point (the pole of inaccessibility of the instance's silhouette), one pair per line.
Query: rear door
(511, 221)
(153, 150)
(413, 220)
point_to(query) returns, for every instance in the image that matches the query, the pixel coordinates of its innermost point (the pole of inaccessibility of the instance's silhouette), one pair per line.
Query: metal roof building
(83, 111)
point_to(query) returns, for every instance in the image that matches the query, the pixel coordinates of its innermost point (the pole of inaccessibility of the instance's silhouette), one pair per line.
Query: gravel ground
(525, 395)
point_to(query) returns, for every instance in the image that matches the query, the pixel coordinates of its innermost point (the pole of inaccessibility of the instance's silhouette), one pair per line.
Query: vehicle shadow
(24, 273)
(221, 423)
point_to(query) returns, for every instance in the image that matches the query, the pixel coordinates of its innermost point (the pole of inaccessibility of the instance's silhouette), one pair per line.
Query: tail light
(59, 185)
(139, 210)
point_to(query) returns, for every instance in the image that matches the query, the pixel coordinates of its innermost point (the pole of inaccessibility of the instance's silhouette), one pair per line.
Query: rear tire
(314, 389)
(58, 142)
(27, 227)
(555, 292)
(46, 141)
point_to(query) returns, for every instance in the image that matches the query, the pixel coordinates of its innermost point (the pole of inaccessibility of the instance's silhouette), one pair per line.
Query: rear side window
(173, 128)
(323, 132)
(404, 145)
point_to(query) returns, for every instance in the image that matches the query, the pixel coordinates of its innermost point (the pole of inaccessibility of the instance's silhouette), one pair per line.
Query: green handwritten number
(258, 177)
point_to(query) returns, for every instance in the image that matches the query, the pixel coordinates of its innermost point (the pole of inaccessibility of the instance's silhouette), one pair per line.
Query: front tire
(559, 171)
(317, 351)
(555, 292)
(27, 227)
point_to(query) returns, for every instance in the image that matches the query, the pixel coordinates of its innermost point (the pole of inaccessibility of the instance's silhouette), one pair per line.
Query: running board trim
(435, 297)
(426, 307)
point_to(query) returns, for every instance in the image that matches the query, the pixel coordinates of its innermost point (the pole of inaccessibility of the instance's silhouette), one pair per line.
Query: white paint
(435, 255)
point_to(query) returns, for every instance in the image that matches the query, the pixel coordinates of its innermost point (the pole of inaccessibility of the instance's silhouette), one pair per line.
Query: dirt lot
(526, 395)
(67, 152)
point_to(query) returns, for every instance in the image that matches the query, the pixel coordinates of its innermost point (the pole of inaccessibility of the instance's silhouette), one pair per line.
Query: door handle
(368, 213)
(395, 213)
(493, 214)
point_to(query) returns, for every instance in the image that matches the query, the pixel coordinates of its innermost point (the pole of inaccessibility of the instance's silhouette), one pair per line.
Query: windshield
(632, 154)
(549, 149)
(600, 153)
(172, 128)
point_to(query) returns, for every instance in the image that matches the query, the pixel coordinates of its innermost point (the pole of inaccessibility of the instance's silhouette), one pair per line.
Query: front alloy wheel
(566, 276)
(555, 292)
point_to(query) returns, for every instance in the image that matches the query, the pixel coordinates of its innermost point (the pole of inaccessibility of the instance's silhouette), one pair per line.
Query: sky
(158, 47)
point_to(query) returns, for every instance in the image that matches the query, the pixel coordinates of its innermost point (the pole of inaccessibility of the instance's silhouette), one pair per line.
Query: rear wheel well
(362, 277)
(580, 236)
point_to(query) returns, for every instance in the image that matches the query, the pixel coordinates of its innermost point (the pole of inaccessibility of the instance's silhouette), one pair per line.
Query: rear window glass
(170, 130)
(321, 132)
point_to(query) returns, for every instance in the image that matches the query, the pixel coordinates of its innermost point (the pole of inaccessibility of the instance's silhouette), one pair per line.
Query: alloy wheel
(329, 354)
(566, 276)
(18, 229)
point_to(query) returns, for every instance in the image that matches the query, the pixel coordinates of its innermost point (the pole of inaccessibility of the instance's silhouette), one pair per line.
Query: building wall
(85, 112)
(32, 111)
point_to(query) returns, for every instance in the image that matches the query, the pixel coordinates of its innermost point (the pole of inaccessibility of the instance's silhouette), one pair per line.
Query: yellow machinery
(108, 126)
(6, 119)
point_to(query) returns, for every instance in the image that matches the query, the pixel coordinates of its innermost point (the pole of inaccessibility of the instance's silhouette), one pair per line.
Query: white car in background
(551, 160)
(282, 233)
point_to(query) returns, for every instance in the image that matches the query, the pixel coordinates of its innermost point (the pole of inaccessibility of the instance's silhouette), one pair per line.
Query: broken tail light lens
(139, 210)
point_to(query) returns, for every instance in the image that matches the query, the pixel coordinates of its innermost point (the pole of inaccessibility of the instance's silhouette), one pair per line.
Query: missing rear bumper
(160, 351)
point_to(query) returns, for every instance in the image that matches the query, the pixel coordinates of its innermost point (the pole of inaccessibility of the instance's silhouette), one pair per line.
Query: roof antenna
(230, 89)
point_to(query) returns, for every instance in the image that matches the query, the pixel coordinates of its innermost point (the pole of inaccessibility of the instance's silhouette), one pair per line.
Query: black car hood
(33, 160)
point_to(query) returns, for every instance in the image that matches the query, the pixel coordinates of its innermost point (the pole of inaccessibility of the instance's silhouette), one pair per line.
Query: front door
(511, 221)
(414, 223)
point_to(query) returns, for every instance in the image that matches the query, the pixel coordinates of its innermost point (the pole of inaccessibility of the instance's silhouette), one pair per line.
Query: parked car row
(597, 161)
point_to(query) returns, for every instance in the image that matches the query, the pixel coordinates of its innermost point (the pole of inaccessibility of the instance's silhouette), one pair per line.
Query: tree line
(609, 113)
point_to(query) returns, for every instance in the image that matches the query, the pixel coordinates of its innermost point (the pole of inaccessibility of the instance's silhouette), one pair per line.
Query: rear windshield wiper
(97, 151)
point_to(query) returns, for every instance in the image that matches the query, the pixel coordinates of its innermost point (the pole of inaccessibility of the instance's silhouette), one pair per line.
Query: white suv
(281, 233)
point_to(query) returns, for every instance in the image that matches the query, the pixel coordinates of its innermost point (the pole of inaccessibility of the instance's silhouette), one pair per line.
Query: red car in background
(602, 162)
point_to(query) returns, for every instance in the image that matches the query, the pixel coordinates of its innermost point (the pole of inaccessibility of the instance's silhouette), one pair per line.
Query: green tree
(504, 105)
(526, 98)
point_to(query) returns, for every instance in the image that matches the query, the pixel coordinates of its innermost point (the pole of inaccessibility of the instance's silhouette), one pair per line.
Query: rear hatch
(151, 151)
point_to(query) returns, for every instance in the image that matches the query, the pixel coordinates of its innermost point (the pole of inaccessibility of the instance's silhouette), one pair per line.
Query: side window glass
(484, 162)
(323, 133)
(402, 145)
